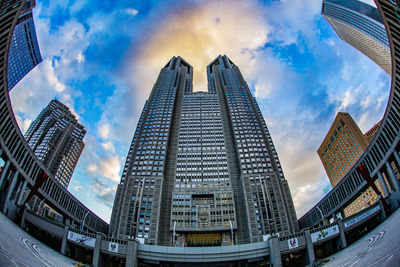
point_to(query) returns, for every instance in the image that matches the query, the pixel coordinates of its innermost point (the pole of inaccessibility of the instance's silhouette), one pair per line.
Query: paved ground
(381, 247)
(18, 248)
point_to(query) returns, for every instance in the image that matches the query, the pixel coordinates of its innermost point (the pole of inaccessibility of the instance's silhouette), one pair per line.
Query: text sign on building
(325, 233)
(361, 217)
(82, 239)
(113, 247)
(293, 243)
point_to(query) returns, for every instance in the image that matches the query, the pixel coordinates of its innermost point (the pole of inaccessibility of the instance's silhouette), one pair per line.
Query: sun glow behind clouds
(199, 33)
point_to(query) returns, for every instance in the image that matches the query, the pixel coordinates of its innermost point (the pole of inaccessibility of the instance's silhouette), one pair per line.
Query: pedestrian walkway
(381, 247)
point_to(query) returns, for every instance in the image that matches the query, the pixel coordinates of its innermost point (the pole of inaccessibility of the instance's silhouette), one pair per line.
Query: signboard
(82, 239)
(293, 243)
(325, 233)
(113, 247)
(361, 217)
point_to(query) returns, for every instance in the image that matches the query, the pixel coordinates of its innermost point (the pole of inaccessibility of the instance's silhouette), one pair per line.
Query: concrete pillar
(21, 193)
(397, 159)
(96, 251)
(10, 190)
(310, 256)
(383, 211)
(275, 252)
(342, 236)
(3, 174)
(22, 223)
(64, 244)
(392, 176)
(131, 253)
(383, 183)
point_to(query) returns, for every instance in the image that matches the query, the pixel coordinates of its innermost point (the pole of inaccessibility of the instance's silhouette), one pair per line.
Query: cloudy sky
(102, 58)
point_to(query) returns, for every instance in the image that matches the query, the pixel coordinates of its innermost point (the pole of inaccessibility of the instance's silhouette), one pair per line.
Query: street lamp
(174, 234)
(84, 218)
(233, 239)
(322, 215)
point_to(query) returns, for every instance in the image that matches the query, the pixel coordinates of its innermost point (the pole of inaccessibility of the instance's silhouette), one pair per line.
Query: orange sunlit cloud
(201, 33)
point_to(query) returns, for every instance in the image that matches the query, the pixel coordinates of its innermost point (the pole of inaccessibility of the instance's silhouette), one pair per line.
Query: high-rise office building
(343, 145)
(361, 26)
(56, 137)
(202, 169)
(24, 53)
(341, 148)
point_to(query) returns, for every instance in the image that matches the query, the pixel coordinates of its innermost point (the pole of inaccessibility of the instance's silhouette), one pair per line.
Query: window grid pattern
(56, 138)
(24, 53)
(202, 197)
(269, 207)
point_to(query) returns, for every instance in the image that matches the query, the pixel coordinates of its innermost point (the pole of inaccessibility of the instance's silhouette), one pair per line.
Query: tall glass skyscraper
(24, 53)
(361, 26)
(56, 137)
(202, 169)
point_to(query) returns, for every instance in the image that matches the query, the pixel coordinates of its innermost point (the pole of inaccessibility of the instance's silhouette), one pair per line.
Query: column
(64, 244)
(392, 176)
(310, 248)
(3, 174)
(96, 251)
(342, 236)
(21, 193)
(131, 253)
(397, 158)
(397, 162)
(383, 183)
(22, 223)
(383, 210)
(275, 252)
(10, 190)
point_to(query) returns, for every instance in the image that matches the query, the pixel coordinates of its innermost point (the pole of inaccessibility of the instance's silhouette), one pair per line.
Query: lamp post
(173, 234)
(84, 218)
(322, 215)
(233, 239)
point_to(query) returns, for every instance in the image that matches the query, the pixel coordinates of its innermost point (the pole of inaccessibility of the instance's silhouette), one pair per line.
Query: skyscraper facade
(340, 150)
(361, 26)
(202, 169)
(24, 53)
(342, 147)
(56, 137)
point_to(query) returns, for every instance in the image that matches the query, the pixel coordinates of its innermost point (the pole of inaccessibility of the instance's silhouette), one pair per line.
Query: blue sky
(102, 58)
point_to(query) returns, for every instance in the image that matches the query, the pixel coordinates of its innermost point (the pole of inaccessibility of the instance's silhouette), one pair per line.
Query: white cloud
(108, 167)
(103, 192)
(108, 146)
(78, 188)
(104, 131)
(80, 57)
(132, 11)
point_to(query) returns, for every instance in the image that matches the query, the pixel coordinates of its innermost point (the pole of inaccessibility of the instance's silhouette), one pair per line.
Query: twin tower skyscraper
(202, 169)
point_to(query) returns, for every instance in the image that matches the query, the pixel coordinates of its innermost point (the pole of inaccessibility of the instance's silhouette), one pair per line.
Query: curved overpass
(382, 156)
(22, 169)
